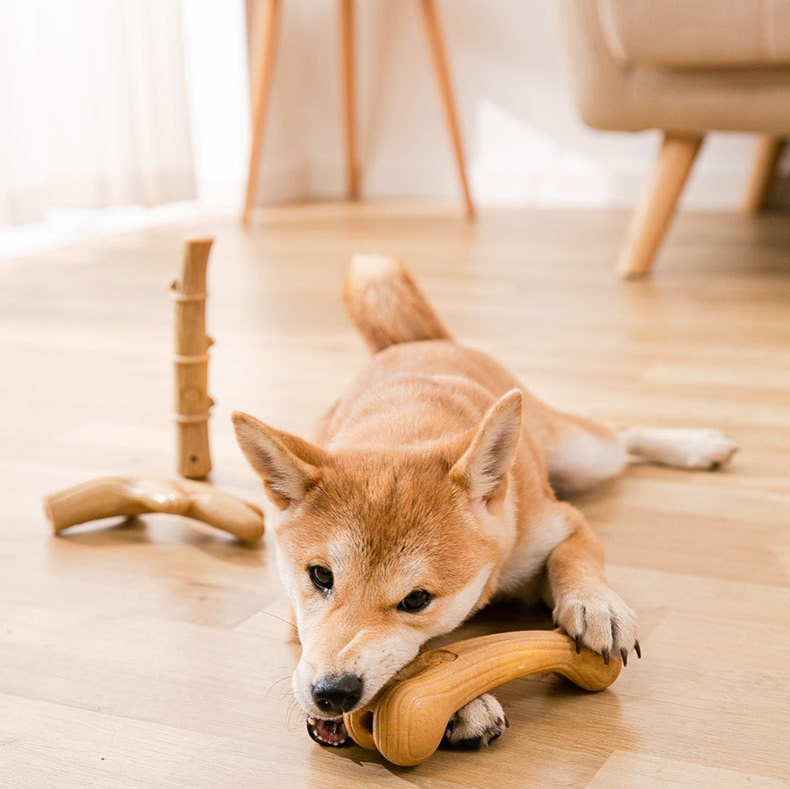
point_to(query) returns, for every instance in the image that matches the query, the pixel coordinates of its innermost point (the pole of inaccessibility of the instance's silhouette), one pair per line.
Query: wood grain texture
(153, 653)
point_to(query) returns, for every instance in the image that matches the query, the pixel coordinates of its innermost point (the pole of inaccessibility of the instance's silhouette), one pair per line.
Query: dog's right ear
(288, 465)
(484, 467)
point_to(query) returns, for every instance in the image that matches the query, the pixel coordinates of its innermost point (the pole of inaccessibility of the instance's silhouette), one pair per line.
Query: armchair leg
(436, 41)
(261, 79)
(657, 205)
(347, 69)
(769, 149)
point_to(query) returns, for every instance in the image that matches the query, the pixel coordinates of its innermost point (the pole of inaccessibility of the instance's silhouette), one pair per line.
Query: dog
(430, 489)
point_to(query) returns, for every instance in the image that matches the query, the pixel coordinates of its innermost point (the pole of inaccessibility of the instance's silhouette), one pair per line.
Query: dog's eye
(415, 601)
(322, 577)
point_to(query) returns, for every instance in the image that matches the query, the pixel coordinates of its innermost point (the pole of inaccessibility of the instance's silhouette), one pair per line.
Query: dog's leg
(583, 603)
(679, 447)
(581, 453)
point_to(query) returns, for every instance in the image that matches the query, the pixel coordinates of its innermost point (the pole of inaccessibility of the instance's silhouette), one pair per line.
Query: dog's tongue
(328, 732)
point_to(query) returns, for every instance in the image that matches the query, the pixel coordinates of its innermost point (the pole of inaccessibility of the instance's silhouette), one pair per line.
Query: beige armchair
(686, 67)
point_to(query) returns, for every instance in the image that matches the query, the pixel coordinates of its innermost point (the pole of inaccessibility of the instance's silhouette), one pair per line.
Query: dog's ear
(288, 465)
(483, 468)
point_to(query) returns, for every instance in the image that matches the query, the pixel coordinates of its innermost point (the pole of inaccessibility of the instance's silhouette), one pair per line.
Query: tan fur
(375, 298)
(431, 473)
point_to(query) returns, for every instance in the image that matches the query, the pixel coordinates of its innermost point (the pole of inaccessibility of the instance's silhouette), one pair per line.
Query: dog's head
(382, 549)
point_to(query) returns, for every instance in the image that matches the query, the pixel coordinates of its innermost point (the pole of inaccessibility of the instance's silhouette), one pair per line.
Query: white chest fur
(529, 554)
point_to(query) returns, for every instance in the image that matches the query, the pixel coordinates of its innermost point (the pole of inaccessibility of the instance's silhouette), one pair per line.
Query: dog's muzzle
(338, 694)
(333, 696)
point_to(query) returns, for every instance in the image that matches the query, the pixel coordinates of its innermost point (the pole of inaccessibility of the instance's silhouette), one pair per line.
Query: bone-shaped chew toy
(108, 497)
(407, 720)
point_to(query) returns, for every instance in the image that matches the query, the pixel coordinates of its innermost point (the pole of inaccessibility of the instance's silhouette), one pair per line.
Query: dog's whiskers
(277, 682)
(294, 715)
(278, 618)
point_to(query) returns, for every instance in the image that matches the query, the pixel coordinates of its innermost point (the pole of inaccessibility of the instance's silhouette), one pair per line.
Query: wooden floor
(152, 653)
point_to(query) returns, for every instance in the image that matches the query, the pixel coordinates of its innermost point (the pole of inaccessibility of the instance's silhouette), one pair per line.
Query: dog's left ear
(288, 465)
(483, 468)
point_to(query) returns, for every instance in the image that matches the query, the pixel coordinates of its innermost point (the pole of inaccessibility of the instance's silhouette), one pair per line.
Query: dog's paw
(477, 724)
(706, 449)
(599, 620)
(681, 447)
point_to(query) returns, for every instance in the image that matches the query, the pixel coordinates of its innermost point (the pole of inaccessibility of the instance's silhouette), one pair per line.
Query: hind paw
(681, 447)
(477, 724)
(708, 449)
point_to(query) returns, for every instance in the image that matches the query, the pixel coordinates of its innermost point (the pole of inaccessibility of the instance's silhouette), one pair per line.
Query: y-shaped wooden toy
(108, 497)
(407, 720)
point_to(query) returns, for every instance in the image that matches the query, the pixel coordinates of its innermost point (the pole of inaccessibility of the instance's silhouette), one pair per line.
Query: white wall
(215, 55)
(525, 144)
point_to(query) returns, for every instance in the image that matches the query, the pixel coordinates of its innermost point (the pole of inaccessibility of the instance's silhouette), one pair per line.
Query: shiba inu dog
(431, 488)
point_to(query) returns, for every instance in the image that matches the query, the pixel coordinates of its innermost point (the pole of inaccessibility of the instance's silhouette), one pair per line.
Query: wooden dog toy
(192, 403)
(407, 720)
(108, 497)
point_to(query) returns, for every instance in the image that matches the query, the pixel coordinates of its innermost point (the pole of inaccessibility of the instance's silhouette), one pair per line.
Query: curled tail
(387, 305)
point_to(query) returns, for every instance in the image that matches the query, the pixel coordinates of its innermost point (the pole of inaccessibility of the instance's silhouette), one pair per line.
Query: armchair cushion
(715, 34)
(642, 64)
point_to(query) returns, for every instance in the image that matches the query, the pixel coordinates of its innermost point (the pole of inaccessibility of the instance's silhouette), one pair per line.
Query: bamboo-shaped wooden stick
(192, 403)
(407, 720)
(108, 497)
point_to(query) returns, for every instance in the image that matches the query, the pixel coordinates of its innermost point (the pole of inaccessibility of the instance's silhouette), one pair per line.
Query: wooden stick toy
(192, 403)
(407, 720)
(108, 497)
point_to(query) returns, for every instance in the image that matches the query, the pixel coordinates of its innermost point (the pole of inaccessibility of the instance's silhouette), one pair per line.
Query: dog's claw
(638, 649)
(606, 655)
(624, 656)
(578, 645)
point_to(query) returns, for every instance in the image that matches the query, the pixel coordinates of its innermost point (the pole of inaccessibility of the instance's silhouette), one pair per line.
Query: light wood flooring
(154, 653)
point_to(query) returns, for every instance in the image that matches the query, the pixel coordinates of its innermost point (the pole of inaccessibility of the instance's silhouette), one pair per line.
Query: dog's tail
(387, 305)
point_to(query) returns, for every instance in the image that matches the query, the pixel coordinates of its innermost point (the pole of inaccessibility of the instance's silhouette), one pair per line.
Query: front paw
(599, 620)
(477, 724)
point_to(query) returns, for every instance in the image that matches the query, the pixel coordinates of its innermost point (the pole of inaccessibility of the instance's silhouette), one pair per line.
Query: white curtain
(93, 106)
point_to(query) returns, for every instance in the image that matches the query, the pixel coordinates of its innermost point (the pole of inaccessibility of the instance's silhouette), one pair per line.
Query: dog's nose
(335, 695)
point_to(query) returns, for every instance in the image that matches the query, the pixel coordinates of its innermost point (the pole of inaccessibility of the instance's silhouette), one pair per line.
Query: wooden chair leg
(769, 149)
(347, 69)
(268, 11)
(443, 76)
(657, 205)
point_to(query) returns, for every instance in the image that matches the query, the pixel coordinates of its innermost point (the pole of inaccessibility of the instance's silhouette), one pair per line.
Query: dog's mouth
(331, 733)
